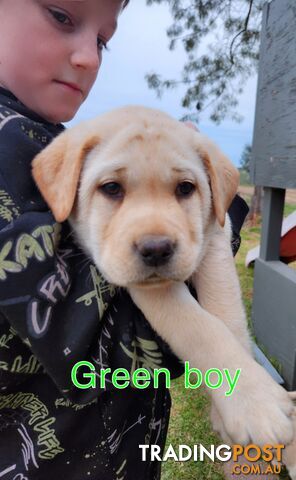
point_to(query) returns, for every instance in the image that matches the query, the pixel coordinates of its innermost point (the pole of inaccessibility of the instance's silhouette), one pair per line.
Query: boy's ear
(223, 176)
(56, 171)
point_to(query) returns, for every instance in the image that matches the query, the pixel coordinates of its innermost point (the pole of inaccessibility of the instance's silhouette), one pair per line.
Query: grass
(190, 425)
(289, 209)
(189, 422)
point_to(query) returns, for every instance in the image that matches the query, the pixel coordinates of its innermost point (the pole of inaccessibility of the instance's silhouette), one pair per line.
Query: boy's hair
(125, 3)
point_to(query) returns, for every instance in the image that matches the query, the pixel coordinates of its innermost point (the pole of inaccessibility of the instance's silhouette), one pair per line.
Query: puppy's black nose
(155, 250)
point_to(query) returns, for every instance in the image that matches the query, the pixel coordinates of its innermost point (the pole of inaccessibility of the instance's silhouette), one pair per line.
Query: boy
(55, 308)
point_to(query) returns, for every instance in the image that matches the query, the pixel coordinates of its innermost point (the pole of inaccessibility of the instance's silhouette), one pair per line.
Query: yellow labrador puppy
(147, 198)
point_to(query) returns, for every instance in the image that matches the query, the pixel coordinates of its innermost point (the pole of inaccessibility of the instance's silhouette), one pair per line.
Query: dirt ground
(248, 190)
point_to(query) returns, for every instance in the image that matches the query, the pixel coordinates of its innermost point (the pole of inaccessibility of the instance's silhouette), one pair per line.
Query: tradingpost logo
(244, 458)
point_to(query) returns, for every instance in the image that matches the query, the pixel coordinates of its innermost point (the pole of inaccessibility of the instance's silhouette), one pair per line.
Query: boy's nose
(87, 55)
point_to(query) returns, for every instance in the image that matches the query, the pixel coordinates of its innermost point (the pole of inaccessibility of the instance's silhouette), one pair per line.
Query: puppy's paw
(218, 425)
(259, 410)
(289, 453)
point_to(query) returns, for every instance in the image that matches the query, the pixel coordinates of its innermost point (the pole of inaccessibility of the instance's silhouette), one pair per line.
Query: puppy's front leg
(258, 408)
(217, 285)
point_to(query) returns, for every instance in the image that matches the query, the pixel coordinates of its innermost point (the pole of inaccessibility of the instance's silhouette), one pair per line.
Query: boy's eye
(60, 17)
(64, 19)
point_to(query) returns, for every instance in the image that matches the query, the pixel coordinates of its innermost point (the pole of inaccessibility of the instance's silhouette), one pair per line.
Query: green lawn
(189, 423)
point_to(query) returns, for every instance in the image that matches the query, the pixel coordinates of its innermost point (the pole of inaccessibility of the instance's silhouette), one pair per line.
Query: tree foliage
(221, 40)
(245, 159)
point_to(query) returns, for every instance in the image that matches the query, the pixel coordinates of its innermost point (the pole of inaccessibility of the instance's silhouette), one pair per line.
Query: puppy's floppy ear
(224, 177)
(56, 170)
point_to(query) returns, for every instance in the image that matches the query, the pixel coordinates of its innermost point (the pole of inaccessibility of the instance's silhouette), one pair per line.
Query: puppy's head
(140, 190)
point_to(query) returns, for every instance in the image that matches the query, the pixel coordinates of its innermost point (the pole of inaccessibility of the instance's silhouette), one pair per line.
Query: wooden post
(274, 167)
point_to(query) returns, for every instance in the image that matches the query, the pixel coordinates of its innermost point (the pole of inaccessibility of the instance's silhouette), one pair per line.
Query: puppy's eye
(112, 189)
(185, 189)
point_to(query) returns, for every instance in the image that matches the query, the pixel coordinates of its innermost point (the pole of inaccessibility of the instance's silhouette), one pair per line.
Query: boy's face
(51, 51)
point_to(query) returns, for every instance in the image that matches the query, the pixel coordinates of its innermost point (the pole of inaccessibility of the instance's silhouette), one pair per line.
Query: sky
(140, 46)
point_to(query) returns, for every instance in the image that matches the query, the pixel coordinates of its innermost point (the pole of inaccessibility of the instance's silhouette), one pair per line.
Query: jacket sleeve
(237, 212)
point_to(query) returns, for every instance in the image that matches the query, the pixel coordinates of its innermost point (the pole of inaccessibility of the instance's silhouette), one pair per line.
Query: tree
(244, 165)
(257, 197)
(229, 30)
(256, 205)
(245, 159)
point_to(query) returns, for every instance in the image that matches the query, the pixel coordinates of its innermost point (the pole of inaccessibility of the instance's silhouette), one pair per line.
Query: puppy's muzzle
(155, 251)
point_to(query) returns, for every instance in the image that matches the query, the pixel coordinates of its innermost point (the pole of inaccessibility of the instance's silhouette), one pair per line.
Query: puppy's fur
(136, 214)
